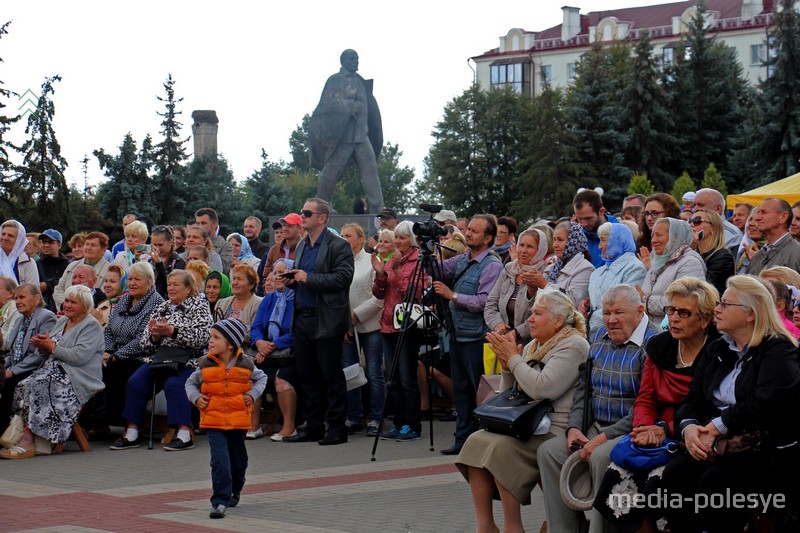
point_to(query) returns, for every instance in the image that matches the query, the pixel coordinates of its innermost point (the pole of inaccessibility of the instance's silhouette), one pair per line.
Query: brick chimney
(204, 131)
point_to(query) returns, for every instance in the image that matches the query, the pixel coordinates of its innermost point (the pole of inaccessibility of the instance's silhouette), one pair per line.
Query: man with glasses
(590, 214)
(773, 219)
(52, 264)
(712, 200)
(321, 279)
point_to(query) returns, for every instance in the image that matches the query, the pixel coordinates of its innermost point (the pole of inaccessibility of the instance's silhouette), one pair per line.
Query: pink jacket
(391, 287)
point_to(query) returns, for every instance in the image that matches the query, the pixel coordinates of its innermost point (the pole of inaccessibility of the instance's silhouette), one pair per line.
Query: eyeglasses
(683, 313)
(309, 213)
(652, 214)
(696, 221)
(725, 305)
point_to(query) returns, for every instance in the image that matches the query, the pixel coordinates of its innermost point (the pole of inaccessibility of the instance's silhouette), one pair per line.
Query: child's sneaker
(372, 428)
(217, 511)
(407, 434)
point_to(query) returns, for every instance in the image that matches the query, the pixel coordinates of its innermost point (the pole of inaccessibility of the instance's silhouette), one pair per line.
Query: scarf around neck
(536, 352)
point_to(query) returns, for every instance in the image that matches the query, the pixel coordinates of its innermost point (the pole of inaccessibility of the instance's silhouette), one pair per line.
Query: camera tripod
(427, 322)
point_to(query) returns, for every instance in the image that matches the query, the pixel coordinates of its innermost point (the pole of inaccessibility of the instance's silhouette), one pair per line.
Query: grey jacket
(573, 280)
(688, 265)
(41, 320)
(81, 351)
(785, 253)
(496, 313)
(225, 251)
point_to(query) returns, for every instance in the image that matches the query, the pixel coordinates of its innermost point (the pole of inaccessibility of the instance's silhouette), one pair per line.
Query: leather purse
(726, 445)
(280, 358)
(513, 413)
(170, 359)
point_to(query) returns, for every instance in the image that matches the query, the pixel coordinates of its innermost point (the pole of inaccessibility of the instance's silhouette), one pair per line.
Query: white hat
(445, 215)
(576, 483)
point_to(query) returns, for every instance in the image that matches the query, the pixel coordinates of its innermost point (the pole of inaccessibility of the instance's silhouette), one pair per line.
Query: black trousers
(8, 397)
(319, 369)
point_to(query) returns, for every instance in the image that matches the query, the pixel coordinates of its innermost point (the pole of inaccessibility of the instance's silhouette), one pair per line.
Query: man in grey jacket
(321, 279)
(773, 219)
(208, 219)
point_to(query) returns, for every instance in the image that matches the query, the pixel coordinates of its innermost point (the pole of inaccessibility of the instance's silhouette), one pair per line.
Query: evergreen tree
(213, 185)
(8, 184)
(129, 187)
(647, 117)
(298, 144)
(264, 192)
(170, 157)
(641, 184)
(712, 179)
(552, 170)
(44, 197)
(774, 142)
(682, 185)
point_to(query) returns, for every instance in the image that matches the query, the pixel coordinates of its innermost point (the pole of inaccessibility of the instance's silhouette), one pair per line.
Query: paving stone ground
(290, 488)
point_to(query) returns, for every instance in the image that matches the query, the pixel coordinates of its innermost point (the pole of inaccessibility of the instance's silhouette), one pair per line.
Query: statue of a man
(345, 124)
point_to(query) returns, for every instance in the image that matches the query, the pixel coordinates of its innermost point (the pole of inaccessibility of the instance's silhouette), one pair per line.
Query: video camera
(429, 230)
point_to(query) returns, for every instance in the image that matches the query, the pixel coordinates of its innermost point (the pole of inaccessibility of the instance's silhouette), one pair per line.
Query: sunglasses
(696, 221)
(308, 213)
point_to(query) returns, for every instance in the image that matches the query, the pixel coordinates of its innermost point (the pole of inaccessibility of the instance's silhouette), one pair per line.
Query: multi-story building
(528, 61)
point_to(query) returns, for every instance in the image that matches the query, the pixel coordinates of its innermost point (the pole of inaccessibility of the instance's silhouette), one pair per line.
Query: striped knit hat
(233, 330)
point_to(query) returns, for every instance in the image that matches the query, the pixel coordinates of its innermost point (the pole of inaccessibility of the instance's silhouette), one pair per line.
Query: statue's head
(349, 60)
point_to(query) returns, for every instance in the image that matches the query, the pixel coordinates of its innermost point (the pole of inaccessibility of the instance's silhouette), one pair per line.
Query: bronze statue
(347, 124)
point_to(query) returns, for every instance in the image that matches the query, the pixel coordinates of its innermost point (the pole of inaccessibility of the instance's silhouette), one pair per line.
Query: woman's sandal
(17, 452)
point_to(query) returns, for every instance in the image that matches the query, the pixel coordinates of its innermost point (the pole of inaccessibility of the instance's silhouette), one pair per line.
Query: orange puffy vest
(225, 389)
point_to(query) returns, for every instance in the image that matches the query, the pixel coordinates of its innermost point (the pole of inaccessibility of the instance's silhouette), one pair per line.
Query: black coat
(50, 271)
(719, 267)
(767, 390)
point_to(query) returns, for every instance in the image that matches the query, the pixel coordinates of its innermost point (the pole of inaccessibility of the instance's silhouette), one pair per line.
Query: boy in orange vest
(224, 387)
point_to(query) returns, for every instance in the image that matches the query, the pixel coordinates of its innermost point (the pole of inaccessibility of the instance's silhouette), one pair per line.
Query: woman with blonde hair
(385, 248)
(501, 466)
(198, 236)
(709, 241)
(783, 274)
(199, 270)
(745, 389)
(136, 235)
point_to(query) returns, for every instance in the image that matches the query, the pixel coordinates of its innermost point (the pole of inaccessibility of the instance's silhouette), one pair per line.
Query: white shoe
(252, 435)
(277, 437)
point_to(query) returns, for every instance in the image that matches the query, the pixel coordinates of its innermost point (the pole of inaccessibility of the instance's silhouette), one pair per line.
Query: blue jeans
(372, 344)
(140, 390)
(465, 386)
(404, 387)
(228, 463)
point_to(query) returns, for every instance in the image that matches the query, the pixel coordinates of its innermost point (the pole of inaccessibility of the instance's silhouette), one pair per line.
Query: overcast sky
(260, 65)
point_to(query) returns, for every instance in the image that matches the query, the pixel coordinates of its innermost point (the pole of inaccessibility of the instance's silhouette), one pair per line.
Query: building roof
(639, 18)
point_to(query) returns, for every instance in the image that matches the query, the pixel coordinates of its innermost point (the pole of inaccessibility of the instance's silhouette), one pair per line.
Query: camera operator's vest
(469, 326)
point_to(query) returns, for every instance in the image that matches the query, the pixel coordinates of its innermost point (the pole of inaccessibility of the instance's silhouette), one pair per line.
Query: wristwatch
(455, 297)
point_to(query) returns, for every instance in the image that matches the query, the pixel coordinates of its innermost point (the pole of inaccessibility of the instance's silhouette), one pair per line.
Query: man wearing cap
(252, 230)
(617, 354)
(292, 232)
(323, 272)
(445, 217)
(52, 264)
(388, 219)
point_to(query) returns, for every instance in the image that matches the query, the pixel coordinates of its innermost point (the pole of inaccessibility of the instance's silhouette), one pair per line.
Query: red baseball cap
(291, 218)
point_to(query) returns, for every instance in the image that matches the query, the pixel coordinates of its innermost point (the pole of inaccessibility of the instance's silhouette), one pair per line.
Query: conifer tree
(212, 185)
(170, 158)
(8, 184)
(264, 193)
(712, 179)
(641, 184)
(682, 185)
(129, 187)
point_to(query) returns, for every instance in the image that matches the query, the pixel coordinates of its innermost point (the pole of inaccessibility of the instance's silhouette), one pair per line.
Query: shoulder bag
(170, 359)
(514, 413)
(637, 458)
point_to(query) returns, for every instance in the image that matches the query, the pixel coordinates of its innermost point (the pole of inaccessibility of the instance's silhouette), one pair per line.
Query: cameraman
(472, 276)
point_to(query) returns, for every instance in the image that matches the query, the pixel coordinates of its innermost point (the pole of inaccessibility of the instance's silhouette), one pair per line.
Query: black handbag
(279, 358)
(170, 359)
(512, 413)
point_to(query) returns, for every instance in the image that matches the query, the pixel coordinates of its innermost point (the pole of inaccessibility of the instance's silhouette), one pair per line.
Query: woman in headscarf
(621, 266)
(509, 304)
(14, 262)
(752, 240)
(115, 285)
(242, 252)
(672, 258)
(571, 271)
(217, 287)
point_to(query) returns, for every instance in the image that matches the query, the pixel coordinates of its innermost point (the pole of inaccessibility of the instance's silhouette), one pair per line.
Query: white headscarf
(7, 261)
(537, 262)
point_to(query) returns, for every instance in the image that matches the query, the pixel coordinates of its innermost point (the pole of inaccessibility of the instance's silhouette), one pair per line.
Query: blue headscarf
(284, 299)
(246, 252)
(620, 242)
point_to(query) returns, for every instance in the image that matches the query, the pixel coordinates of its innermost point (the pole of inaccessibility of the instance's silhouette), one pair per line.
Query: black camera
(429, 230)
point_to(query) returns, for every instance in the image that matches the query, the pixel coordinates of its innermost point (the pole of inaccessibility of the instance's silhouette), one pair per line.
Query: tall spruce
(264, 193)
(647, 117)
(44, 195)
(129, 187)
(170, 158)
(8, 182)
(210, 183)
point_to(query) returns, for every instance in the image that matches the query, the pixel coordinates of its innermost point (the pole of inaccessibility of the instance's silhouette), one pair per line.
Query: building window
(758, 54)
(668, 57)
(516, 76)
(570, 71)
(546, 74)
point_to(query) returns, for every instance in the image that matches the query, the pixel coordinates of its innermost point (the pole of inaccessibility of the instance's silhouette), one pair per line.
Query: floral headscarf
(680, 239)
(620, 242)
(123, 283)
(576, 244)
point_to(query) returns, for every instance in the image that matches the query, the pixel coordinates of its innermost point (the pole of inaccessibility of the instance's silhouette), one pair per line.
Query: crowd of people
(665, 322)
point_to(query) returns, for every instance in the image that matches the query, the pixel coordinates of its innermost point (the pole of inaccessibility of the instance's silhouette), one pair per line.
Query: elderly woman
(392, 281)
(8, 310)
(242, 252)
(272, 331)
(385, 247)
(49, 400)
(509, 303)
(657, 206)
(76, 246)
(14, 262)
(123, 354)
(198, 236)
(709, 241)
(365, 312)
(672, 258)
(163, 256)
(571, 272)
(547, 368)
(183, 322)
(243, 303)
(747, 386)
(752, 241)
(621, 266)
(216, 287)
(668, 370)
(135, 238)
(115, 285)
(23, 357)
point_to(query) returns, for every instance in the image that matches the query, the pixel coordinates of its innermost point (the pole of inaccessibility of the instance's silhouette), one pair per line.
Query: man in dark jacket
(52, 264)
(321, 279)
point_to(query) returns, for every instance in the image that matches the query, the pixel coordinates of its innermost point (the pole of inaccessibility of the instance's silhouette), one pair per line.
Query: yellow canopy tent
(787, 189)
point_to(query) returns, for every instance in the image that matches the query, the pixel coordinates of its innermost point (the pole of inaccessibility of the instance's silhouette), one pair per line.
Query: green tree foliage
(712, 179)
(774, 140)
(129, 188)
(472, 164)
(299, 146)
(44, 196)
(170, 158)
(707, 90)
(682, 185)
(641, 184)
(551, 171)
(264, 192)
(596, 107)
(8, 184)
(210, 183)
(85, 210)
(647, 117)
(301, 185)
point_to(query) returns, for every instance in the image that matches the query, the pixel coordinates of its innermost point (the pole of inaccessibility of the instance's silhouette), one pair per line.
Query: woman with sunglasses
(709, 241)
(745, 386)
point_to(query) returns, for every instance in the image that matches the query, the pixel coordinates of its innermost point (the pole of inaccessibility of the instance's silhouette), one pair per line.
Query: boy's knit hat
(233, 330)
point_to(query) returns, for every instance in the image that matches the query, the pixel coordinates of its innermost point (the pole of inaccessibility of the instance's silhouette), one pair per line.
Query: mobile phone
(288, 275)
(700, 235)
(146, 248)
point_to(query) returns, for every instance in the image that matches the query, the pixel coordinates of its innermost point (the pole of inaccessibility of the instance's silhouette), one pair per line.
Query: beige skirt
(511, 461)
